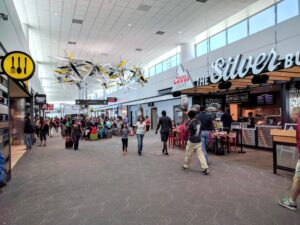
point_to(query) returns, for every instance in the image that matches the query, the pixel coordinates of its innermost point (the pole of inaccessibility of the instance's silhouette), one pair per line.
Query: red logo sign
(181, 79)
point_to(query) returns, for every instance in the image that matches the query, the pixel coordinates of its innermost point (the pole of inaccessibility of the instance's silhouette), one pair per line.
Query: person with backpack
(28, 131)
(43, 131)
(194, 143)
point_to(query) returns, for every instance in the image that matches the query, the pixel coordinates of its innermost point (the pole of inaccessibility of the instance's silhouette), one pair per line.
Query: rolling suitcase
(69, 142)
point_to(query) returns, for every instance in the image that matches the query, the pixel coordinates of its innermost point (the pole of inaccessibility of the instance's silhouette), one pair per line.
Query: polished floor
(98, 185)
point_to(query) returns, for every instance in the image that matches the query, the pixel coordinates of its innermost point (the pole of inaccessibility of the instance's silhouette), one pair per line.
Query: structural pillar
(187, 51)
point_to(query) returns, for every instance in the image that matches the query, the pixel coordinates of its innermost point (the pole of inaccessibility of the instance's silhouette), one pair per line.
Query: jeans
(28, 140)
(140, 138)
(124, 144)
(204, 136)
(76, 141)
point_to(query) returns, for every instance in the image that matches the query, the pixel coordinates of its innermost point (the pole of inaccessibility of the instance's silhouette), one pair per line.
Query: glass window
(178, 59)
(152, 71)
(237, 32)
(158, 68)
(173, 61)
(202, 48)
(287, 9)
(262, 20)
(167, 64)
(218, 40)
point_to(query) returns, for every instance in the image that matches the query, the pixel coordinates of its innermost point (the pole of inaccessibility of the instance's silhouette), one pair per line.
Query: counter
(264, 138)
(285, 153)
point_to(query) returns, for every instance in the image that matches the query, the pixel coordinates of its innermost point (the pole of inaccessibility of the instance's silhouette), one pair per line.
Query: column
(187, 52)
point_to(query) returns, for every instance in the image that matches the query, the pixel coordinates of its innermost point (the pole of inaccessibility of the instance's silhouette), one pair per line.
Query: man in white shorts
(290, 202)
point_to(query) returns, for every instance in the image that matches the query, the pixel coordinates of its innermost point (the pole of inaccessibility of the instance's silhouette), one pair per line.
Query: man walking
(194, 143)
(28, 131)
(206, 127)
(290, 202)
(165, 125)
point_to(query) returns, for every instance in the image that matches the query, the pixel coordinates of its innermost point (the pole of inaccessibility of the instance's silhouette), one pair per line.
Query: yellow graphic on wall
(18, 65)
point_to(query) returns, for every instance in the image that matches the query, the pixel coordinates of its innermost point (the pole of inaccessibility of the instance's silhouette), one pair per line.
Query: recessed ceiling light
(55, 14)
(129, 25)
(77, 21)
(179, 32)
(160, 32)
(54, 41)
(144, 7)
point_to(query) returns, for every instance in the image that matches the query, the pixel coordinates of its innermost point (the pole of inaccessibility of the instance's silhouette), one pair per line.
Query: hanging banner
(182, 80)
(18, 66)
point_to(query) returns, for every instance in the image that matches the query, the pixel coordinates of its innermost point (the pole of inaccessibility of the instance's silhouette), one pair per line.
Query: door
(153, 118)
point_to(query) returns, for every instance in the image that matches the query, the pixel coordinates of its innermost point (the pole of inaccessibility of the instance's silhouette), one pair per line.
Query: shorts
(297, 170)
(164, 136)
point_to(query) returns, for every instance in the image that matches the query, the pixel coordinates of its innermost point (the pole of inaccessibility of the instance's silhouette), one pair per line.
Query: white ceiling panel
(105, 29)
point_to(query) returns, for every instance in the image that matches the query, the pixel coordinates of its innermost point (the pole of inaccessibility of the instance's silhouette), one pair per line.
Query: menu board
(237, 98)
(265, 99)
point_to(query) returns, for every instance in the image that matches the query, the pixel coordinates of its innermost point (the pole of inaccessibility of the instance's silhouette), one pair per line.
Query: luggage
(109, 134)
(93, 137)
(69, 142)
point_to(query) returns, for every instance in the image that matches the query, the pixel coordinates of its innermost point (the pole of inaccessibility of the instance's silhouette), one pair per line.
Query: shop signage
(112, 99)
(237, 98)
(40, 99)
(50, 106)
(18, 65)
(182, 80)
(44, 106)
(90, 102)
(237, 67)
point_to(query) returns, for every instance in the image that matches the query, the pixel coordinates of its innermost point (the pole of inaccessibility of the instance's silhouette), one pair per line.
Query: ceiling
(105, 35)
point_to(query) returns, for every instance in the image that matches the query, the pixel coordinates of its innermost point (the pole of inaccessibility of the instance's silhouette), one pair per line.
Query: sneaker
(205, 172)
(286, 202)
(166, 154)
(185, 168)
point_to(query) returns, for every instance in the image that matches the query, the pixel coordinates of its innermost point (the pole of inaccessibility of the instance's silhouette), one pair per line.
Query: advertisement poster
(294, 101)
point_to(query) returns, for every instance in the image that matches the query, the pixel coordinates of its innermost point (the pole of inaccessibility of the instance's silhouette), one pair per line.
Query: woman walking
(76, 134)
(140, 131)
(124, 134)
(43, 131)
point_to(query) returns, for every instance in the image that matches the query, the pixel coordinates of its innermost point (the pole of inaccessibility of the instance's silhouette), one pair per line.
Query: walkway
(97, 185)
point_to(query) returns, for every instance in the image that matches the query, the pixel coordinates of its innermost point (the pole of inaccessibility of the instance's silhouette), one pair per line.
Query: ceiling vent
(77, 21)
(104, 54)
(72, 42)
(160, 32)
(202, 1)
(144, 7)
(138, 49)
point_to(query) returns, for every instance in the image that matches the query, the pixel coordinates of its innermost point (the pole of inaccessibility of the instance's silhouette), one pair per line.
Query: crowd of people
(196, 131)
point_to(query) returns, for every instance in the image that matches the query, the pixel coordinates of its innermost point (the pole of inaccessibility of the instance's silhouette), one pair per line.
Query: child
(124, 135)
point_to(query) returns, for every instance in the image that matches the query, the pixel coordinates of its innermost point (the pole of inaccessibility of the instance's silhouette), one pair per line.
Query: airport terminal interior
(149, 112)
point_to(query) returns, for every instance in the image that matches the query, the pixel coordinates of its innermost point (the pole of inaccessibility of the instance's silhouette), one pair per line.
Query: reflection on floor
(17, 151)
(98, 185)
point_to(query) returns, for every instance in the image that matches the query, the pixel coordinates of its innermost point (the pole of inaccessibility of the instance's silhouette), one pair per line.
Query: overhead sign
(18, 65)
(237, 98)
(40, 99)
(111, 99)
(182, 79)
(50, 106)
(90, 102)
(236, 67)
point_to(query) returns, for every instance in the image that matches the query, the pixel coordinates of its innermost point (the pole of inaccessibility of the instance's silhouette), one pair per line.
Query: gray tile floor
(98, 185)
